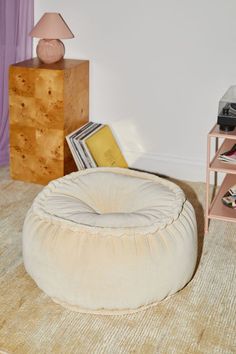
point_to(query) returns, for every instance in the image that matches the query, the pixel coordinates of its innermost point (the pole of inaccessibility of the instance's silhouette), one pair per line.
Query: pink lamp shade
(51, 27)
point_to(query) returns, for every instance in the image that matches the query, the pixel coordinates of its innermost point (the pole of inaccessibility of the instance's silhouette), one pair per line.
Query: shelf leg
(207, 184)
(215, 173)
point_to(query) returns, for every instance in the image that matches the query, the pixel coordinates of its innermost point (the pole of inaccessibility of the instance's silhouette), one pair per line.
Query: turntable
(227, 110)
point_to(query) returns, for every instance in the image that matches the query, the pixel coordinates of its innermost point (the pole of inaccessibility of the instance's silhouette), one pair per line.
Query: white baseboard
(169, 165)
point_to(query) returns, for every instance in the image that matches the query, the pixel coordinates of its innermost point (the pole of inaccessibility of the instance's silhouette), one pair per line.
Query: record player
(227, 110)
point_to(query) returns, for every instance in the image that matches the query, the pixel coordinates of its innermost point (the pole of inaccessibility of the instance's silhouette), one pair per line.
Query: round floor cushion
(110, 240)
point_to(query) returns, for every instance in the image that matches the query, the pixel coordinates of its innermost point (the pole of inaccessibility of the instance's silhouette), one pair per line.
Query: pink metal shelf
(216, 209)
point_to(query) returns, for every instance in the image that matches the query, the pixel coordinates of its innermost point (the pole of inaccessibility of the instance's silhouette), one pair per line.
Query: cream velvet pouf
(110, 240)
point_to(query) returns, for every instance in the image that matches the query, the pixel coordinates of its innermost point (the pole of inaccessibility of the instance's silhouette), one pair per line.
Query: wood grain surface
(46, 103)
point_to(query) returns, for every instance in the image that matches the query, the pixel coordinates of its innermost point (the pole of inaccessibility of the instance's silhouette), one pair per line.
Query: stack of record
(229, 199)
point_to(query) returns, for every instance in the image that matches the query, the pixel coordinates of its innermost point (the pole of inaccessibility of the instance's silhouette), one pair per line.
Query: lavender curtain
(16, 21)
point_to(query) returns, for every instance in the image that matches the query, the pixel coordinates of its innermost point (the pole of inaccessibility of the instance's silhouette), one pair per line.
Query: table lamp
(50, 28)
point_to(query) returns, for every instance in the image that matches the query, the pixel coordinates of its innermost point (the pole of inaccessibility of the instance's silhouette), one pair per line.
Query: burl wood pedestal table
(47, 102)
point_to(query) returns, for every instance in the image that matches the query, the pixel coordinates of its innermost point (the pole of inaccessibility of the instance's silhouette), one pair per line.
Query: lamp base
(50, 51)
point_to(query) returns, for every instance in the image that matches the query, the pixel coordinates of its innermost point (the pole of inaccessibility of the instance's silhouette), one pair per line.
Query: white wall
(158, 70)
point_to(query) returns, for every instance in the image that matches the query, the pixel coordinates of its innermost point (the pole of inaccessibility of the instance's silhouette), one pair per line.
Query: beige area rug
(199, 319)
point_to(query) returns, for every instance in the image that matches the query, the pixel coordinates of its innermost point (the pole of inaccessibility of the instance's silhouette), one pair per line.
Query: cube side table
(47, 102)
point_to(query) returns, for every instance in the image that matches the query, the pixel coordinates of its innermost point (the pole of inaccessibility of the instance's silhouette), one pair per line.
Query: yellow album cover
(104, 149)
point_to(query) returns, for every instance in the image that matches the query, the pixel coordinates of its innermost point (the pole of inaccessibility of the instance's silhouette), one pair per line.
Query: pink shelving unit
(215, 209)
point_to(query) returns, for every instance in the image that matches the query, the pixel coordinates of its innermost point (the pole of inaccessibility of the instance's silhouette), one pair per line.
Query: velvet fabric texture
(110, 240)
(16, 21)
